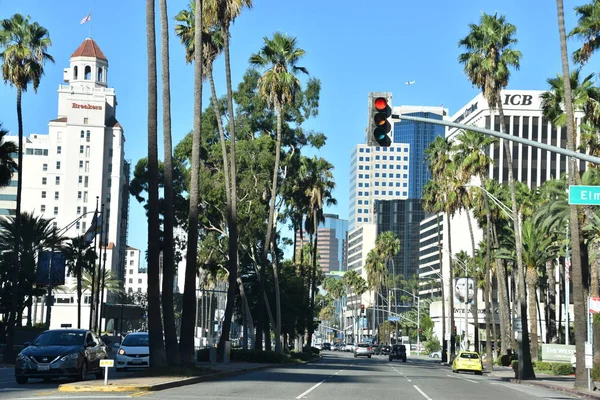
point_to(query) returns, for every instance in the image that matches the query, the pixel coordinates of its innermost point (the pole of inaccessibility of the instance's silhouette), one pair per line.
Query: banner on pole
(595, 305)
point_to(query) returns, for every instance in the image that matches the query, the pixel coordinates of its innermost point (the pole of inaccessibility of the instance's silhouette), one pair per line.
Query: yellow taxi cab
(467, 361)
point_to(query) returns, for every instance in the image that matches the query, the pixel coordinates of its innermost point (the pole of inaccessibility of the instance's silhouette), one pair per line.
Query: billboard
(59, 262)
(464, 290)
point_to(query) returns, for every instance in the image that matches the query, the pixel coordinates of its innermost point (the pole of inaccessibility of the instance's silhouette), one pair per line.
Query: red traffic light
(362, 306)
(380, 103)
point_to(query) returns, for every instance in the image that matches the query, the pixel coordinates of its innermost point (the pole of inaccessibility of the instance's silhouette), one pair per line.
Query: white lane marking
(11, 389)
(311, 389)
(422, 392)
(401, 373)
(464, 379)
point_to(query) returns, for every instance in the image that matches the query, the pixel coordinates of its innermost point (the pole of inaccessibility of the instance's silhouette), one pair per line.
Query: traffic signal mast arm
(543, 146)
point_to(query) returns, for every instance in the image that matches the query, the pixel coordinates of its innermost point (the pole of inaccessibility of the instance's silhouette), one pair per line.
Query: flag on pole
(86, 19)
(567, 269)
(94, 229)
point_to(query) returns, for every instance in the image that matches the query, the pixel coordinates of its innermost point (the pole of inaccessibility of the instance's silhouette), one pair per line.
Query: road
(338, 376)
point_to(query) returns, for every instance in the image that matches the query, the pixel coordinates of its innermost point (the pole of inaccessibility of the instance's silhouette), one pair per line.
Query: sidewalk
(146, 384)
(559, 383)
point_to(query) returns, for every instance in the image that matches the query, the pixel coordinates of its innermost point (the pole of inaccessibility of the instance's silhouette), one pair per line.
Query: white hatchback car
(134, 352)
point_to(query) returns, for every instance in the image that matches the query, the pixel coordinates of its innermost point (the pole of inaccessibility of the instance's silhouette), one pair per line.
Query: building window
(139, 290)
(82, 134)
(87, 136)
(85, 121)
(85, 197)
(44, 167)
(44, 180)
(87, 73)
(130, 280)
(131, 270)
(80, 180)
(86, 181)
(83, 225)
(87, 167)
(139, 281)
(84, 209)
(100, 75)
(79, 195)
(110, 152)
(55, 195)
(57, 180)
(109, 168)
(81, 149)
(55, 210)
(78, 210)
(58, 149)
(43, 208)
(77, 225)
(58, 165)
(87, 151)
(55, 224)
(75, 70)
(80, 163)
(43, 194)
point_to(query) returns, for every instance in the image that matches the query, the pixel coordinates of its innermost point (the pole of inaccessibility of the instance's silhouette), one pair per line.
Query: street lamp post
(418, 300)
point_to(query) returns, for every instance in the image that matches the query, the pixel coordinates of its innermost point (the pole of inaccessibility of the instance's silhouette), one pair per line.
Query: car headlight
(122, 352)
(22, 357)
(72, 356)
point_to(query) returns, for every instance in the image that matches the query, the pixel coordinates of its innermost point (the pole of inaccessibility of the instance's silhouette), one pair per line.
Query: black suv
(398, 351)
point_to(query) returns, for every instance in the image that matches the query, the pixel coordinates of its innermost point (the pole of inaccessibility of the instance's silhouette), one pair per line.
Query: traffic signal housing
(380, 110)
(362, 308)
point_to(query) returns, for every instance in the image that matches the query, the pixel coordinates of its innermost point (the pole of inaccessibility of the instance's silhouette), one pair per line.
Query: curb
(159, 386)
(558, 388)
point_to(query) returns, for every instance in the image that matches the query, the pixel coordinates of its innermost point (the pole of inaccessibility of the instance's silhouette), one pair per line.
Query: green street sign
(584, 195)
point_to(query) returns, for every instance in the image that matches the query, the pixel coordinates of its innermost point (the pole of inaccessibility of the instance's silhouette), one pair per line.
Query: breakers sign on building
(86, 106)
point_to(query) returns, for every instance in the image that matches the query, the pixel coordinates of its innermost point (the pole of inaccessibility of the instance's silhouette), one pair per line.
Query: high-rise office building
(331, 243)
(397, 172)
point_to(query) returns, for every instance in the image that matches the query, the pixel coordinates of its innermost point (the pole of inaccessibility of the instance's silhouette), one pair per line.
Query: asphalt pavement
(338, 376)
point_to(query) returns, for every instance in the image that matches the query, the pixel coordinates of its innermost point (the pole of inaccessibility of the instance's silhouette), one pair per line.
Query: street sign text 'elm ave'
(584, 195)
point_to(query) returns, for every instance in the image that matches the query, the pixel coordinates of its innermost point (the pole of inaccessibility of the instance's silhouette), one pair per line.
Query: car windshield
(135, 340)
(472, 356)
(363, 345)
(59, 338)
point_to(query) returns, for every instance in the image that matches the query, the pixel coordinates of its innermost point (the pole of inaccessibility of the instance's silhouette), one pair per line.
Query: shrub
(506, 360)
(314, 350)
(596, 372)
(543, 366)
(562, 368)
(302, 356)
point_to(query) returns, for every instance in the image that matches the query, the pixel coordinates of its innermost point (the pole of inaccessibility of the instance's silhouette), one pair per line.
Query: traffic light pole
(543, 146)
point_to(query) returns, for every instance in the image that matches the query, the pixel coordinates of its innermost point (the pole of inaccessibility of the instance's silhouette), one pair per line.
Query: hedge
(555, 368)
(259, 356)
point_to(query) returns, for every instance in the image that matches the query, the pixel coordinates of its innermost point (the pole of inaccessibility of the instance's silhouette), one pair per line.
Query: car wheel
(478, 372)
(369, 356)
(83, 372)
(355, 356)
(390, 358)
(21, 380)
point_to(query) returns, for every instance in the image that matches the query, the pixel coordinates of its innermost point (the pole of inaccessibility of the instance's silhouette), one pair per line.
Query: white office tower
(81, 159)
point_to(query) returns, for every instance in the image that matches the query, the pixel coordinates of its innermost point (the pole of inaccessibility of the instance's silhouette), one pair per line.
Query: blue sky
(353, 47)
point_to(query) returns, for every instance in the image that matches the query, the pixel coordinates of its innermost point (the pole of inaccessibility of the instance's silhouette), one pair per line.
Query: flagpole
(95, 222)
(90, 14)
(103, 274)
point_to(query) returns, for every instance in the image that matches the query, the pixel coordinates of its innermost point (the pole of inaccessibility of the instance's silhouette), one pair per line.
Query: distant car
(385, 349)
(134, 352)
(61, 353)
(435, 354)
(349, 347)
(363, 349)
(326, 346)
(468, 361)
(398, 351)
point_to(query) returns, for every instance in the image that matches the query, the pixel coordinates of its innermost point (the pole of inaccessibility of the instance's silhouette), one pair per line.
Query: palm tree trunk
(233, 228)
(313, 286)
(277, 327)
(12, 322)
(531, 281)
(444, 357)
(475, 305)
(503, 300)
(186, 342)
(451, 294)
(595, 292)
(215, 103)
(168, 245)
(155, 331)
(551, 303)
(576, 271)
(486, 293)
(525, 365)
(79, 290)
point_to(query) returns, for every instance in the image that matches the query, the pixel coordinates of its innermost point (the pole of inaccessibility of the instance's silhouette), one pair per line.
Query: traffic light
(380, 109)
(362, 308)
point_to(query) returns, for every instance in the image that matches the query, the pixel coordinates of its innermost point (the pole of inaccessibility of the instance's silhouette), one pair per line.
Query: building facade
(79, 166)
(136, 278)
(331, 242)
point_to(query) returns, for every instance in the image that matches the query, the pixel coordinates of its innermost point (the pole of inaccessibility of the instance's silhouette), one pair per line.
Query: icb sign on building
(584, 195)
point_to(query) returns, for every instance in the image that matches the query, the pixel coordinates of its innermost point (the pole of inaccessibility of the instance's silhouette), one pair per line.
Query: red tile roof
(113, 123)
(61, 119)
(89, 48)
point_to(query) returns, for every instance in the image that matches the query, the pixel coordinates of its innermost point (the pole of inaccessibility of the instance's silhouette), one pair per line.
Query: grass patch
(187, 372)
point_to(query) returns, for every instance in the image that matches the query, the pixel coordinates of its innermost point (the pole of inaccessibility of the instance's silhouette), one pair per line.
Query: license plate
(136, 361)
(43, 368)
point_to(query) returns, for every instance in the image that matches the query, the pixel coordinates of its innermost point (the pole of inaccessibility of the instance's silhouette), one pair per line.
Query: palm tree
(168, 246)
(318, 189)
(80, 258)
(8, 166)
(278, 86)
(223, 13)
(487, 61)
(188, 318)
(23, 51)
(578, 287)
(587, 29)
(155, 327)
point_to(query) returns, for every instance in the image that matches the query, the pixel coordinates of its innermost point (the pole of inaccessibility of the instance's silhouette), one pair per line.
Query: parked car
(349, 347)
(385, 349)
(326, 346)
(363, 349)
(398, 351)
(134, 352)
(467, 361)
(436, 354)
(60, 353)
